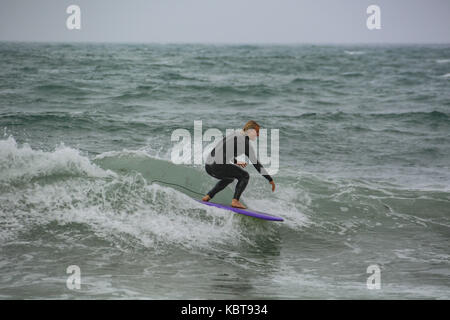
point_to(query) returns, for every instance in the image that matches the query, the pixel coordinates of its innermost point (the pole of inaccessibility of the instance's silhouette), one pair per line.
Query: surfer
(218, 163)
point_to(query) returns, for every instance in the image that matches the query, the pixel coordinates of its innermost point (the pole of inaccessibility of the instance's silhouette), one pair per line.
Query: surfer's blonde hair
(251, 125)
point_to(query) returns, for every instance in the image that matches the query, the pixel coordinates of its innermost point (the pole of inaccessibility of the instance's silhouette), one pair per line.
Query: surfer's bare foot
(206, 198)
(236, 204)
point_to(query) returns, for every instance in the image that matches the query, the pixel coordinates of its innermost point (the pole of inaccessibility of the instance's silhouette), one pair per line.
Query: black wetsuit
(218, 164)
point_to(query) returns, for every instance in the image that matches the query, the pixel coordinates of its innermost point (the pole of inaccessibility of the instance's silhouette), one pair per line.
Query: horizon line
(222, 43)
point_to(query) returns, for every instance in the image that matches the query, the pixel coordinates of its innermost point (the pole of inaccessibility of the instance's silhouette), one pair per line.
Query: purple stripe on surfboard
(254, 214)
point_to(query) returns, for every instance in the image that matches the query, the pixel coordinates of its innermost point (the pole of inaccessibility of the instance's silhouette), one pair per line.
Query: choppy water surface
(364, 177)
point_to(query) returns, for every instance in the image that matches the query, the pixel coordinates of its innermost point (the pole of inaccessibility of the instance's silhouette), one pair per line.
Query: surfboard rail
(246, 212)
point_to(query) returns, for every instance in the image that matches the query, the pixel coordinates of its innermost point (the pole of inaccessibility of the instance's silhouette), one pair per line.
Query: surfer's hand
(273, 185)
(241, 164)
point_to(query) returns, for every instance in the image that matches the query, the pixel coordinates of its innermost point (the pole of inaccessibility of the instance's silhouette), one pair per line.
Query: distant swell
(416, 116)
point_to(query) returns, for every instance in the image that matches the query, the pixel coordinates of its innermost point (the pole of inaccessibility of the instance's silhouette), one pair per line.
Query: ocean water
(364, 174)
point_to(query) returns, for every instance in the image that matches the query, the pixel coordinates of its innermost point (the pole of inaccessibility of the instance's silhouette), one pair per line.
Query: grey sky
(227, 21)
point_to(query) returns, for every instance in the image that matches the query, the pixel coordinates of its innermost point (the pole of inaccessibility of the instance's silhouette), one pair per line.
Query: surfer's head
(251, 129)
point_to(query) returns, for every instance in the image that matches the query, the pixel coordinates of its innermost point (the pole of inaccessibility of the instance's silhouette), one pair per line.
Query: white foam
(22, 163)
(354, 52)
(284, 203)
(152, 149)
(147, 152)
(121, 209)
(123, 153)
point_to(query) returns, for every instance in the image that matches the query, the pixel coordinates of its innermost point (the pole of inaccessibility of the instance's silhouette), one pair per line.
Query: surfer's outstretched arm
(250, 153)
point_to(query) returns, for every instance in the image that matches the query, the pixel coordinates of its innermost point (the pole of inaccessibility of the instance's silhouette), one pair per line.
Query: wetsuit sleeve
(235, 150)
(250, 153)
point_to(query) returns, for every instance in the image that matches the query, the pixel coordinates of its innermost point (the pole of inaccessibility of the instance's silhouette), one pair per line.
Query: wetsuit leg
(219, 186)
(242, 183)
(227, 173)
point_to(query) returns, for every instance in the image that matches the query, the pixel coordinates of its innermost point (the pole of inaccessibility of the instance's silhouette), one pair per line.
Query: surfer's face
(252, 133)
